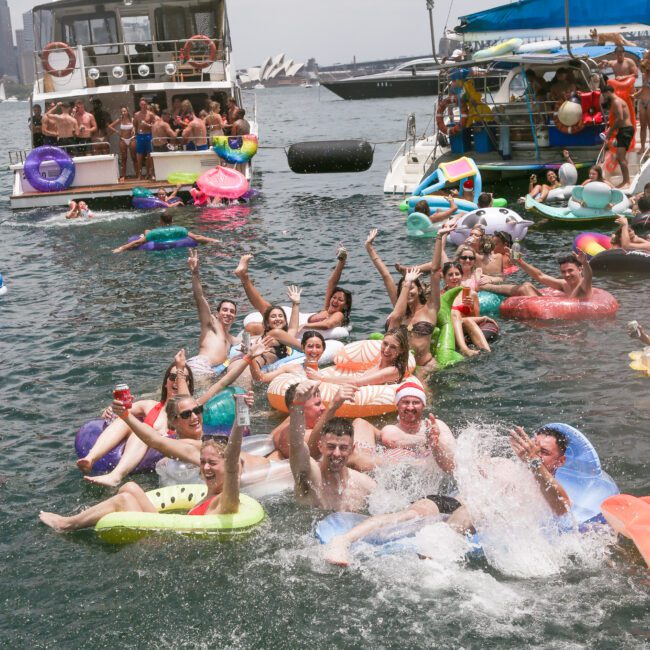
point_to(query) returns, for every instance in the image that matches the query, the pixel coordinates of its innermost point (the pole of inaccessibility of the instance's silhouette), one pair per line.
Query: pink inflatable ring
(223, 182)
(554, 305)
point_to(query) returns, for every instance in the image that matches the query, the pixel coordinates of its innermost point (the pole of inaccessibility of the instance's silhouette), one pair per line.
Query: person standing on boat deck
(48, 127)
(240, 126)
(622, 127)
(143, 120)
(162, 134)
(101, 145)
(65, 126)
(231, 109)
(621, 66)
(215, 340)
(36, 126)
(86, 128)
(213, 121)
(195, 134)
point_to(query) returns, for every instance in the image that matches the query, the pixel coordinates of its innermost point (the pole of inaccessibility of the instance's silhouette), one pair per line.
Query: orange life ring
(186, 52)
(576, 128)
(56, 47)
(443, 127)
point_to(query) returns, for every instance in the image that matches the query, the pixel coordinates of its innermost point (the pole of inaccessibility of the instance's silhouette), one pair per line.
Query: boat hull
(383, 88)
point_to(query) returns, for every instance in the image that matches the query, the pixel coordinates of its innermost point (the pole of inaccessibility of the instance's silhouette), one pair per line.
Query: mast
(433, 39)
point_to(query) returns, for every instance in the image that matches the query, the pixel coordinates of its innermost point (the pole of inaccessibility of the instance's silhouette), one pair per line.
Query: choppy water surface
(78, 318)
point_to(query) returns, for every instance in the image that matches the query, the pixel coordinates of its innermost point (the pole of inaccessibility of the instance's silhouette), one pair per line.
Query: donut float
(602, 257)
(160, 239)
(223, 182)
(235, 149)
(303, 320)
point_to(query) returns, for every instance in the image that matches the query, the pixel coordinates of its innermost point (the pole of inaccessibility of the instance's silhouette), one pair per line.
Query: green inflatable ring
(141, 192)
(489, 302)
(404, 206)
(446, 354)
(500, 203)
(182, 178)
(219, 412)
(419, 225)
(127, 527)
(168, 233)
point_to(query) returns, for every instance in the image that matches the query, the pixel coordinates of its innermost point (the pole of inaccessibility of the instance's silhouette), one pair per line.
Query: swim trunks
(190, 146)
(143, 143)
(66, 142)
(624, 137)
(83, 146)
(446, 505)
(200, 365)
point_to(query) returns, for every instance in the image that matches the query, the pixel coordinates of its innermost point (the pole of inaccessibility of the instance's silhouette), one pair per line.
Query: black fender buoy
(330, 156)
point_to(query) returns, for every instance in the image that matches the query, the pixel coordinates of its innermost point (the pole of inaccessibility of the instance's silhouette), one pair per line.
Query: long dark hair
(348, 304)
(402, 360)
(311, 334)
(190, 381)
(422, 294)
(267, 314)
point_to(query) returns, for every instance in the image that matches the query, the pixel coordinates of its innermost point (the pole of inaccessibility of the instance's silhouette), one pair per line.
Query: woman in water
(627, 239)
(540, 191)
(218, 461)
(126, 132)
(596, 174)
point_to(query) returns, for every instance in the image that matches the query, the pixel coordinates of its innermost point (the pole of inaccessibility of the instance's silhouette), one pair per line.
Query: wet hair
(447, 266)
(504, 236)
(225, 300)
(339, 427)
(485, 244)
(347, 309)
(171, 408)
(422, 294)
(311, 334)
(560, 438)
(267, 315)
(167, 218)
(462, 249)
(290, 395)
(402, 360)
(569, 259)
(643, 204)
(484, 200)
(218, 441)
(599, 171)
(189, 379)
(422, 207)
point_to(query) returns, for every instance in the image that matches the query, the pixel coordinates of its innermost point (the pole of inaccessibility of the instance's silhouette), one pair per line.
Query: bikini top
(126, 127)
(202, 508)
(152, 416)
(421, 328)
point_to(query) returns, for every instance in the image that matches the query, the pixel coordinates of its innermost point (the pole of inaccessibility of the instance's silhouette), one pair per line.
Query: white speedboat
(119, 53)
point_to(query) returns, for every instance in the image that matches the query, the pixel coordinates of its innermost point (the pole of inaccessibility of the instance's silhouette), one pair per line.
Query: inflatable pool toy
(641, 361)
(47, 154)
(219, 412)
(303, 320)
(368, 401)
(591, 109)
(623, 88)
(602, 257)
(477, 110)
(451, 173)
(538, 47)
(3, 286)
(595, 201)
(148, 203)
(630, 516)
(435, 201)
(499, 49)
(554, 305)
(160, 239)
(235, 149)
(419, 225)
(127, 527)
(567, 117)
(223, 182)
(492, 219)
(87, 436)
(182, 178)
(489, 302)
(568, 175)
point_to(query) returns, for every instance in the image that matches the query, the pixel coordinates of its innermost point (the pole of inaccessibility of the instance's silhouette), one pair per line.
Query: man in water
(64, 124)
(143, 120)
(195, 134)
(86, 128)
(621, 66)
(329, 483)
(544, 454)
(575, 281)
(215, 339)
(622, 127)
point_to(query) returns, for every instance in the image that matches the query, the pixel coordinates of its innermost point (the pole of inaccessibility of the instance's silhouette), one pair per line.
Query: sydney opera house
(276, 71)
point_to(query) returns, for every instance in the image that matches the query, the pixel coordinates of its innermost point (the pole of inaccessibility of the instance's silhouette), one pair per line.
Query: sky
(331, 31)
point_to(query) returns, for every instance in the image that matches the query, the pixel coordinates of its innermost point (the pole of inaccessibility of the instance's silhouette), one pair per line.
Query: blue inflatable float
(48, 154)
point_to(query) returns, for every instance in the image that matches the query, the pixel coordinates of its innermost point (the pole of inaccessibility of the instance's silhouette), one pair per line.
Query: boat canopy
(529, 17)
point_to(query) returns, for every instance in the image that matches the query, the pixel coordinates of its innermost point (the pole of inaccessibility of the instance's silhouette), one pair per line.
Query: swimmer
(439, 215)
(636, 331)
(628, 239)
(171, 200)
(539, 191)
(329, 483)
(78, 209)
(166, 220)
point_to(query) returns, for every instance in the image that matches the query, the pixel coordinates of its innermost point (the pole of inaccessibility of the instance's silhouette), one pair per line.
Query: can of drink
(242, 412)
(466, 291)
(245, 342)
(122, 393)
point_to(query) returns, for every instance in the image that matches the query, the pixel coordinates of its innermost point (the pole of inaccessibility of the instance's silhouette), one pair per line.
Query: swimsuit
(126, 127)
(65, 142)
(463, 309)
(152, 416)
(190, 146)
(200, 365)
(624, 137)
(421, 328)
(202, 508)
(143, 143)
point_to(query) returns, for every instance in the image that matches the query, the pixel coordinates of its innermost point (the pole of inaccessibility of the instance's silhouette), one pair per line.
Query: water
(78, 318)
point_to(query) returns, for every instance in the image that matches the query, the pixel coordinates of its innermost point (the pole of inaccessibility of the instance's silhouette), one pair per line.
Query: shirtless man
(575, 282)
(215, 339)
(544, 454)
(195, 135)
(622, 127)
(48, 127)
(621, 66)
(143, 121)
(65, 125)
(240, 126)
(329, 483)
(162, 134)
(36, 126)
(86, 128)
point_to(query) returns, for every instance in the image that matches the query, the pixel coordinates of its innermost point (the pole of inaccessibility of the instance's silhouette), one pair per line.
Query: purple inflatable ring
(148, 203)
(32, 169)
(185, 242)
(87, 436)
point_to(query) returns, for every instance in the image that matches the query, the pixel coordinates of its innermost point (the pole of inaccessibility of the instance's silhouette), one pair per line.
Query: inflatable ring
(303, 322)
(57, 47)
(498, 49)
(236, 148)
(186, 52)
(576, 128)
(166, 234)
(443, 127)
(32, 166)
(182, 178)
(127, 527)
(554, 305)
(148, 203)
(419, 225)
(489, 302)
(219, 412)
(492, 219)
(223, 182)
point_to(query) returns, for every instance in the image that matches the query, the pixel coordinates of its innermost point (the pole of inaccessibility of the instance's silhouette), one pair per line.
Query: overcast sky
(332, 31)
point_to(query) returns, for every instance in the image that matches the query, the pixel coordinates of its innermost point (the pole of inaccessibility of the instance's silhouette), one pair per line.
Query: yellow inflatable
(477, 109)
(641, 361)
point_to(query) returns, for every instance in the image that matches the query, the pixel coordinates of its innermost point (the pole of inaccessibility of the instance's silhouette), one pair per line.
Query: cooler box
(588, 137)
(461, 142)
(482, 141)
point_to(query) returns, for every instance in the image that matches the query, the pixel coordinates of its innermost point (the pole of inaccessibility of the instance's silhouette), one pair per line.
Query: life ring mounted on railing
(58, 47)
(560, 126)
(186, 52)
(445, 128)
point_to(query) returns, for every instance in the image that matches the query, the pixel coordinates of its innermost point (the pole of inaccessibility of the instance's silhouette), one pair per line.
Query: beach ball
(569, 113)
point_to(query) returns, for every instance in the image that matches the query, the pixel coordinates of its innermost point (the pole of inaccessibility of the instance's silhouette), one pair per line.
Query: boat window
(518, 85)
(97, 31)
(204, 22)
(43, 28)
(170, 26)
(135, 31)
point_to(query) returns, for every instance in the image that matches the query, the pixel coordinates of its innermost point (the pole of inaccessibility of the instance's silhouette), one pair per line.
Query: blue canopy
(543, 14)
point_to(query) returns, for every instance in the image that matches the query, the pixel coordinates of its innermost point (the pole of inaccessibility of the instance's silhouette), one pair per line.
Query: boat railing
(115, 64)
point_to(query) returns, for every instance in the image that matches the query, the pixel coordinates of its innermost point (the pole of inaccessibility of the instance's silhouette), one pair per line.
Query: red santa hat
(410, 389)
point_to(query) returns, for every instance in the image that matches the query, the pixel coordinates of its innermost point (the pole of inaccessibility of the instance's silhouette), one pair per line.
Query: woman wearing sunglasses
(219, 462)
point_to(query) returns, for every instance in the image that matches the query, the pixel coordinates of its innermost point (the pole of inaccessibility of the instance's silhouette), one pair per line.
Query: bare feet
(85, 465)
(57, 522)
(466, 352)
(108, 480)
(337, 552)
(341, 253)
(623, 185)
(242, 267)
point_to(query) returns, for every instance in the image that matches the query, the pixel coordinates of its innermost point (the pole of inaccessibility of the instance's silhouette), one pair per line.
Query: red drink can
(122, 393)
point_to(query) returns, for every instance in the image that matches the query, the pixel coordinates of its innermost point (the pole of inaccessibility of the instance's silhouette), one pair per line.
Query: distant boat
(306, 84)
(11, 99)
(259, 86)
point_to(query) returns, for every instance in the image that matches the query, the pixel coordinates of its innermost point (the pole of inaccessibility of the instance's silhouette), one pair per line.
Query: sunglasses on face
(217, 437)
(197, 410)
(172, 375)
(466, 257)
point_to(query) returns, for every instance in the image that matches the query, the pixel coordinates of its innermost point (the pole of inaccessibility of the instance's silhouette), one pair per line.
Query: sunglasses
(172, 375)
(197, 410)
(466, 257)
(217, 437)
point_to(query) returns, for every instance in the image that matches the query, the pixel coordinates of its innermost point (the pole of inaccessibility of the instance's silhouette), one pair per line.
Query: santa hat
(410, 389)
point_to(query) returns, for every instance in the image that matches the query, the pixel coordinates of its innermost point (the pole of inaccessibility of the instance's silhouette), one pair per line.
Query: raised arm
(332, 283)
(583, 290)
(343, 394)
(443, 215)
(536, 274)
(397, 316)
(442, 444)
(389, 283)
(294, 320)
(228, 504)
(439, 256)
(205, 315)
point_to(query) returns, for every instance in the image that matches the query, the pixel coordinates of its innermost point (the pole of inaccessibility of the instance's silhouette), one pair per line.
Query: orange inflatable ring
(554, 305)
(186, 52)
(57, 47)
(576, 128)
(443, 127)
